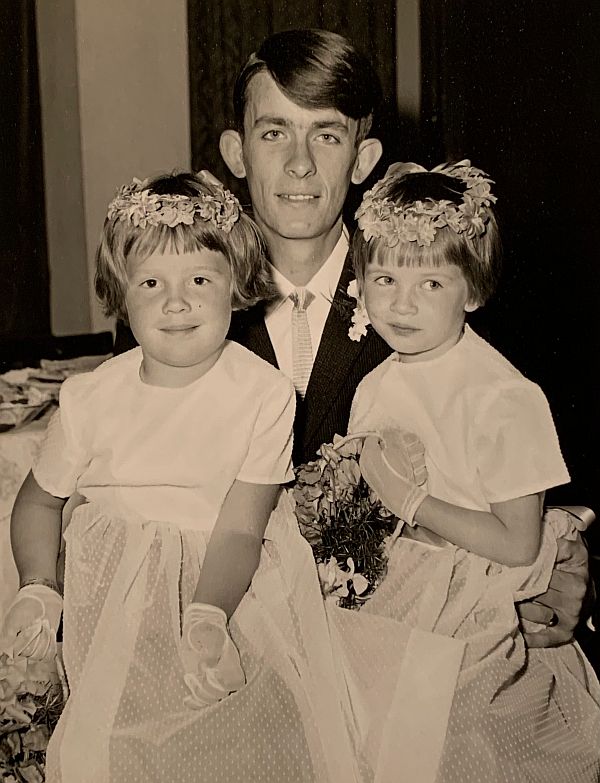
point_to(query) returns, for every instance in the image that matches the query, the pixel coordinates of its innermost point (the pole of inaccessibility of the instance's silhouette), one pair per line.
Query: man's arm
(560, 607)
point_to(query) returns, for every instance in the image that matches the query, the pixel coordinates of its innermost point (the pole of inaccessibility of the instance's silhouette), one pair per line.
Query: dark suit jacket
(339, 366)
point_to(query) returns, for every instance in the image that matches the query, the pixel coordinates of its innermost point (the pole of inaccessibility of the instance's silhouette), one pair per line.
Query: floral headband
(136, 202)
(418, 222)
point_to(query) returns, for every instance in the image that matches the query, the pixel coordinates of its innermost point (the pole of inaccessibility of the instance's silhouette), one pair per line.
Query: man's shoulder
(243, 320)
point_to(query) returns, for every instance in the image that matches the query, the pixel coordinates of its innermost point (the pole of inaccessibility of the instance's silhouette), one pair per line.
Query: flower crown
(138, 203)
(418, 222)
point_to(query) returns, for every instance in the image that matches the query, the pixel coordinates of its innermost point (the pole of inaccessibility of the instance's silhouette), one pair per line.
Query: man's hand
(559, 608)
(211, 662)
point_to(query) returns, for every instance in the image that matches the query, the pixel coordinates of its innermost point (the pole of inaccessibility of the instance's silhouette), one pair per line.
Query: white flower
(360, 318)
(334, 580)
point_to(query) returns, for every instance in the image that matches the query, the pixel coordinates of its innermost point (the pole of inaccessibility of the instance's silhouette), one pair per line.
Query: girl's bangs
(163, 239)
(438, 253)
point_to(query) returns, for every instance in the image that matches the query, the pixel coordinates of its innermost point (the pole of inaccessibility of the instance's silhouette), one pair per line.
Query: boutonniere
(360, 319)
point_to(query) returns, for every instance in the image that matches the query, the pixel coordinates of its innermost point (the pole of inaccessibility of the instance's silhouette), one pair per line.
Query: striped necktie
(302, 354)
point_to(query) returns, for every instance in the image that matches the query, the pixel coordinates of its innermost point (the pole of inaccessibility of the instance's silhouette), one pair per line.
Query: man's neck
(299, 260)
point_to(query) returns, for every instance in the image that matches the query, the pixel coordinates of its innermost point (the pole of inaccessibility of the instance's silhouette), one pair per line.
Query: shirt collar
(324, 282)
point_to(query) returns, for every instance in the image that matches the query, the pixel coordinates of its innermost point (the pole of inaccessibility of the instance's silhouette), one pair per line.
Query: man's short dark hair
(316, 69)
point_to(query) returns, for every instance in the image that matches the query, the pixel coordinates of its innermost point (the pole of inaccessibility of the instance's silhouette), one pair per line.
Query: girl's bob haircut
(479, 256)
(243, 247)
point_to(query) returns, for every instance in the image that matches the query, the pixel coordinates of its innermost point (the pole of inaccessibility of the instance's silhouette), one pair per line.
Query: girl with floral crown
(440, 685)
(178, 449)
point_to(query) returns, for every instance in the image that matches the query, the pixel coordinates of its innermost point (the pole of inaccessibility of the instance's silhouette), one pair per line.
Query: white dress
(440, 685)
(155, 465)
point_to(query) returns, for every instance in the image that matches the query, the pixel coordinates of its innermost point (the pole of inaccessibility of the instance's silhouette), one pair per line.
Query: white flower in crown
(139, 204)
(360, 319)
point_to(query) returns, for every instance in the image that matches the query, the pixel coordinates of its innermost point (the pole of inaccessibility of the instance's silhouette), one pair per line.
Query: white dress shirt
(278, 318)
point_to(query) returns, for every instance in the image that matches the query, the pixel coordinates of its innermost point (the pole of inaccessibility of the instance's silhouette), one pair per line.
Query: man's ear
(471, 306)
(369, 152)
(232, 152)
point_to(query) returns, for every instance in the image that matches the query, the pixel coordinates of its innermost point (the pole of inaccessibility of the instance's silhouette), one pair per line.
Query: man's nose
(300, 162)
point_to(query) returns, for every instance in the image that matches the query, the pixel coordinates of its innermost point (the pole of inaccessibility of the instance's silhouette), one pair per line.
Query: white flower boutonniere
(360, 319)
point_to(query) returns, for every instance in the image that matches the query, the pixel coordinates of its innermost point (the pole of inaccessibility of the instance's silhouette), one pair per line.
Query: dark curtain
(223, 33)
(515, 86)
(24, 277)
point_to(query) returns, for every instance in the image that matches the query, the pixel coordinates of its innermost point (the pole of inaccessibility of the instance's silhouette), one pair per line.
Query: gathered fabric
(441, 688)
(127, 582)
(430, 682)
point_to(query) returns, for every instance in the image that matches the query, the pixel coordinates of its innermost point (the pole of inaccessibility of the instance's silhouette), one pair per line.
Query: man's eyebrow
(282, 122)
(337, 125)
(272, 119)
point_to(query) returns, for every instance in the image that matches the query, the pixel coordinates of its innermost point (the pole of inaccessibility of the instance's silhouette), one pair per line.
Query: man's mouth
(297, 197)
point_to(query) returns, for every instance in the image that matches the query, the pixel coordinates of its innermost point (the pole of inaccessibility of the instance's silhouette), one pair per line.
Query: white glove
(211, 662)
(30, 625)
(394, 467)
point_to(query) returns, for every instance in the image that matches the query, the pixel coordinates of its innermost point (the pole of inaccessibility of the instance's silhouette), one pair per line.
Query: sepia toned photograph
(298, 404)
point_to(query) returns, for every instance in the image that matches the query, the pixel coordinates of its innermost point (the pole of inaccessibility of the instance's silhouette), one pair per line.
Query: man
(304, 104)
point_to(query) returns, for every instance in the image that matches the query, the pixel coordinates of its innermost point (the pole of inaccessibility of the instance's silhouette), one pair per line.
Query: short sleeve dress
(460, 698)
(154, 465)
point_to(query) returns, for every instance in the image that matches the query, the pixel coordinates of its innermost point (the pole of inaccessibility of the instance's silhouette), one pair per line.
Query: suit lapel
(248, 328)
(336, 355)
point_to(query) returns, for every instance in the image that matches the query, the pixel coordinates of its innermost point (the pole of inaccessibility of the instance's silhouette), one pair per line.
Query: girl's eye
(431, 285)
(150, 283)
(199, 280)
(384, 280)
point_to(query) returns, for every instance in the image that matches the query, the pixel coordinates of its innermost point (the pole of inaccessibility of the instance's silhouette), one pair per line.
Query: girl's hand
(394, 468)
(211, 662)
(30, 625)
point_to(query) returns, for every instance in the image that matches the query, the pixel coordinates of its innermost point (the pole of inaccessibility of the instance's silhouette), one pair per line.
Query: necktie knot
(301, 297)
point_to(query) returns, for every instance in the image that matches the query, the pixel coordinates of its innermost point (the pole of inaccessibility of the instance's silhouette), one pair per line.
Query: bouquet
(343, 521)
(32, 695)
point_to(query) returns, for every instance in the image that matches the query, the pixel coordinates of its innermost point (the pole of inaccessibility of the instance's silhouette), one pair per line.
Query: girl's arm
(233, 550)
(35, 530)
(510, 533)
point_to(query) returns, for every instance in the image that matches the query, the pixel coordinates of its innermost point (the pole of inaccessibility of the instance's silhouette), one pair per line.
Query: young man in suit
(304, 104)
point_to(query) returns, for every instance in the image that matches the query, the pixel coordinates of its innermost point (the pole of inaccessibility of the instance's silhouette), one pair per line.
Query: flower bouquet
(343, 521)
(32, 696)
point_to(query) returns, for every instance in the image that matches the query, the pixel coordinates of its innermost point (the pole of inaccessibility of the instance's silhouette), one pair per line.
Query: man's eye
(431, 285)
(329, 138)
(150, 283)
(273, 135)
(199, 280)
